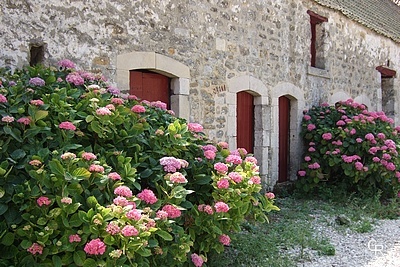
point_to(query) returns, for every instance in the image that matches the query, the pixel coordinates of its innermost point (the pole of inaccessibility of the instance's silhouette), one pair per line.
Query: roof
(382, 16)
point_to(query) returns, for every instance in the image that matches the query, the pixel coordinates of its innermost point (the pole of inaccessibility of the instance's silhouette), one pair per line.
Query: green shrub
(93, 177)
(350, 148)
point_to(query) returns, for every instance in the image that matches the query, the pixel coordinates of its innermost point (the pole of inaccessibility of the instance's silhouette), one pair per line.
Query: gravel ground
(378, 248)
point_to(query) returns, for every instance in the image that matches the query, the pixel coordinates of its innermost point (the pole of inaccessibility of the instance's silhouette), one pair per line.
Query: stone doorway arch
(176, 71)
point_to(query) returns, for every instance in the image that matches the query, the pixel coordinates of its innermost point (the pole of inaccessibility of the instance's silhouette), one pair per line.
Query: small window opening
(388, 92)
(36, 55)
(317, 40)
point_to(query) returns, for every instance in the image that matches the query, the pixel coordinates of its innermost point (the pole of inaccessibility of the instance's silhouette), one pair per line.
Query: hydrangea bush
(352, 148)
(93, 177)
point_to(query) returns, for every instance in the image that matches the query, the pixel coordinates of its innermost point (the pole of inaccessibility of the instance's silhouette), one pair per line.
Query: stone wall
(262, 46)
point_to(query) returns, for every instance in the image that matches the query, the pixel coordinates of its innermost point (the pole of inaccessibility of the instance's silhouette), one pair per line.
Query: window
(36, 54)
(388, 92)
(317, 40)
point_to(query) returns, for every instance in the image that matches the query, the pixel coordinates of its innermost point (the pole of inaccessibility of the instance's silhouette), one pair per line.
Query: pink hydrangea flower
(173, 212)
(123, 191)
(68, 155)
(359, 166)
(37, 102)
(311, 149)
(223, 184)
(7, 119)
(35, 248)
(195, 127)
(223, 145)
(103, 111)
(178, 178)
(74, 238)
(311, 127)
(250, 159)
(235, 159)
(121, 201)
(96, 168)
(359, 140)
(43, 201)
(66, 125)
(369, 136)
(159, 104)
(24, 120)
(66, 63)
(35, 162)
(66, 200)
(129, 230)
(114, 176)
(224, 240)
(221, 207)
(75, 79)
(117, 101)
(170, 164)
(134, 214)
(209, 147)
(327, 136)
(390, 166)
(37, 81)
(88, 156)
(138, 109)
(147, 196)
(270, 195)
(255, 180)
(205, 208)
(301, 173)
(376, 159)
(197, 260)
(314, 166)
(307, 117)
(3, 99)
(209, 154)
(95, 247)
(221, 168)
(236, 177)
(162, 215)
(353, 131)
(113, 228)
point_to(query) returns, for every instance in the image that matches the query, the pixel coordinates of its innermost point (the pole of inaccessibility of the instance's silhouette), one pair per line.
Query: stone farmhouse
(244, 69)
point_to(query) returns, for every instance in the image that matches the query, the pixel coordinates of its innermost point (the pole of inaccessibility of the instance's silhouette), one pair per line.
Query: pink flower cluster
(66, 63)
(349, 159)
(95, 247)
(37, 81)
(114, 176)
(195, 127)
(24, 120)
(123, 191)
(177, 178)
(235, 159)
(159, 104)
(224, 240)
(103, 111)
(171, 164)
(138, 109)
(206, 208)
(223, 184)
(75, 78)
(96, 168)
(7, 119)
(3, 99)
(129, 231)
(172, 211)
(37, 102)
(221, 207)
(147, 196)
(134, 214)
(74, 238)
(88, 156)
(43, 201)
(66, 125)
(197, 260)
(113, 228)
(117, 101)
(35, 249)
(235, 176)
(221, 168)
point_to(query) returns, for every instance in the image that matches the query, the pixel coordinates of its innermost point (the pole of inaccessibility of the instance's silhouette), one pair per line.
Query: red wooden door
(245, 121)
(284, 116)
(149, 86)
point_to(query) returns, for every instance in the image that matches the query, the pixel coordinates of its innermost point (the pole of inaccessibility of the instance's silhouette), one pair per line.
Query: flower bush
(93, 177)
(352, 148)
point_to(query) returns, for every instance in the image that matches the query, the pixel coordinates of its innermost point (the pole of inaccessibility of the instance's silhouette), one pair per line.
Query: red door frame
(284, 130)
(149, 86)
(245, 121)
